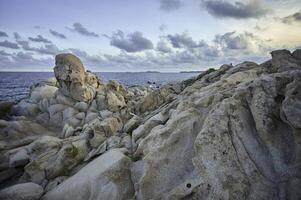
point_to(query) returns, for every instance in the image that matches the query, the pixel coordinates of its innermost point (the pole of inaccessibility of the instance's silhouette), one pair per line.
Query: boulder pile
(230, 133)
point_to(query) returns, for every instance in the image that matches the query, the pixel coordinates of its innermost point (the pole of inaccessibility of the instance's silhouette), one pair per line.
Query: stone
(18, 158)
(25, 108)
(81, 106)
(145, 128)
(100, 130)
(39, 93)
(70, 74)
(69, 113)
(56, 114)
(115, 101)
(106, 177)
(52, 184)
(52, 157)
(9, 174)
(5, 108)
(90, 116)
(20, 132)
(132, 124)
(105, 114)
(24, 191)
(91, 79)
(283, 60)
(229, 133)
(167, 150)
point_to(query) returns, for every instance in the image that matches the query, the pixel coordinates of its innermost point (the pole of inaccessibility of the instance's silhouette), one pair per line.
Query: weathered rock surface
(106, 177)
(230, 133)
(72, 78)
(24, 191)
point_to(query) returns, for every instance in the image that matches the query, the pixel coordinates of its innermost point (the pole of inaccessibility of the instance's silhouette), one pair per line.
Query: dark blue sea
(16, 85)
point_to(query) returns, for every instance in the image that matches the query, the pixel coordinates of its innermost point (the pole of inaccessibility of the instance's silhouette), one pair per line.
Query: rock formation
(230, 133)
(73, 81)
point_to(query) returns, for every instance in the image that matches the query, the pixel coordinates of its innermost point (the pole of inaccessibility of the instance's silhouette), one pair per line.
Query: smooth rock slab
(24, 191)
(106, 177)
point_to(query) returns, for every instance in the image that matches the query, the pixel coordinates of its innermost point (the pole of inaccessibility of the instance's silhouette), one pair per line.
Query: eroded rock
(24, 191)
(106, 177)
(70, 74)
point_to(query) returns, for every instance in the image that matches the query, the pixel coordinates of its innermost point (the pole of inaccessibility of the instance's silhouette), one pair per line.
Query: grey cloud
(296, 17)
(89, 60)
(184, 40)
(48, 49)
(4, 53)
(39, 38)
(170, 5)
(17, 36)
(194, 55)
(8, 44)
(79, 28)
(57, 34)
(24, 59)
(238, 10)
(231, 41)
(3, 34)
(133, 42)
(37, 27)
(23, 56)
(25, 45)
(162, 46)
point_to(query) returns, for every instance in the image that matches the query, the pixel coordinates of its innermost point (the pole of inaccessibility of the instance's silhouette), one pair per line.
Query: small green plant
(211, 70)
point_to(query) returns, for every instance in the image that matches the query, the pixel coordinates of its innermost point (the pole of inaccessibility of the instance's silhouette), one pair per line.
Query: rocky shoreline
(231, 133)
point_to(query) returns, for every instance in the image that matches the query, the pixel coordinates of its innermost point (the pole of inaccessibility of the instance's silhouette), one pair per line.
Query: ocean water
(16, 85)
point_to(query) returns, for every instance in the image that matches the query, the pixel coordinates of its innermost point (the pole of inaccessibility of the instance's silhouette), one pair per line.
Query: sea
(15, 86)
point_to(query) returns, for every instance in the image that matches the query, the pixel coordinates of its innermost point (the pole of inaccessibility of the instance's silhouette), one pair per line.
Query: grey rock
(106, 177)
(24, 191)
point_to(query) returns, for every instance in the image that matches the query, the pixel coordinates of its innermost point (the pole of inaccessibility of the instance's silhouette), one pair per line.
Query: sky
(145, 35)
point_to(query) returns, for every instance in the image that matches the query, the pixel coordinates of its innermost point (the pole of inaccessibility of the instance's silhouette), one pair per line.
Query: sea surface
(16, 85)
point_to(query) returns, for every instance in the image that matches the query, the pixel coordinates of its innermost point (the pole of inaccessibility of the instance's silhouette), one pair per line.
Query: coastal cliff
(230, 133)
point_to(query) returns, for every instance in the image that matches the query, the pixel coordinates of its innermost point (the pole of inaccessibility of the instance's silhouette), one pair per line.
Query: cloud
(163, 47)
(8, 44)
(170, 5)
(239, 44)
(3, 34)
(57, 34)
(17, 36)
(37, 27)
(133, 42)
(25, 45)
(39, 38)
(183, 40)
(88, 60)
(175, 52)
(27, 59)
(4, 53)
(231, 41)
(238, 10)
(79, 28)
(47, 49)
(296, 17)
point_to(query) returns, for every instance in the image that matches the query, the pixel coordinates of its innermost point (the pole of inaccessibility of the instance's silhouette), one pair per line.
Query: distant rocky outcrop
(230, 133)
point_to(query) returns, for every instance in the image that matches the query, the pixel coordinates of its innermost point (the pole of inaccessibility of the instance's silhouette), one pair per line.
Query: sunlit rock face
(229, 133)
(73, 81)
